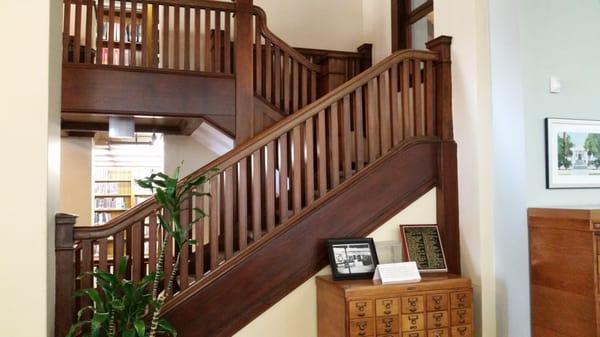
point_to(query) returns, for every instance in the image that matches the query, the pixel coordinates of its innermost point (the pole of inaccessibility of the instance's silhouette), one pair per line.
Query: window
(412, 23)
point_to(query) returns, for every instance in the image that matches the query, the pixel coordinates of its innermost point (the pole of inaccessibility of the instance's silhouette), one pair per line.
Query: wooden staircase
(335, 166)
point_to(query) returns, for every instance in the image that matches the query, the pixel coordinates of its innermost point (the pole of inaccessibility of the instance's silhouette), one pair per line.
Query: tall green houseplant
(120, 308)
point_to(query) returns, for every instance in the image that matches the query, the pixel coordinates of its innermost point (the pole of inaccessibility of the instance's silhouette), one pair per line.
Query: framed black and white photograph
(572, 153)
(352, 258)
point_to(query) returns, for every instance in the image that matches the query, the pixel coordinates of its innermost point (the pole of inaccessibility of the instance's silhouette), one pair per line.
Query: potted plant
(122, 307)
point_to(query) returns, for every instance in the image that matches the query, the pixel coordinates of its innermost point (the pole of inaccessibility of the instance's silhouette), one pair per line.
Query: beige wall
(331, 24)
(30, 147)
(76, 178)
(377, 27)
(185, 149)
(296, 314)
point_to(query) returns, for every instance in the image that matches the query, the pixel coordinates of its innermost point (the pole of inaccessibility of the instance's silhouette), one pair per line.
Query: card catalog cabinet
(435, 307)
(565, 272)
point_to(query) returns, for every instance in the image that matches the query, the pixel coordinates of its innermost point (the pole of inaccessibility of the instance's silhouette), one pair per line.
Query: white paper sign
(404, 272)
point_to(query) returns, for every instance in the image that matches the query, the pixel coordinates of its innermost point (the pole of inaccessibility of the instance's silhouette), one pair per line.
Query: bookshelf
(115, 191)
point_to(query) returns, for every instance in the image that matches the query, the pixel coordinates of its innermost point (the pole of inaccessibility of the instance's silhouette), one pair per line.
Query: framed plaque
(423, 245)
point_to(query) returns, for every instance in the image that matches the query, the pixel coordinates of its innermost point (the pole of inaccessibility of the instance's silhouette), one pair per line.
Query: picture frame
(353, 258)
(572, 153)
(423, 245)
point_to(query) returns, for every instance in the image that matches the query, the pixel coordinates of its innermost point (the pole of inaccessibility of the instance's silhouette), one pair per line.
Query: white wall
(331, 24)
(76, 178)
(30, 148)
(377, 27)
(185, 149)
(296, 314)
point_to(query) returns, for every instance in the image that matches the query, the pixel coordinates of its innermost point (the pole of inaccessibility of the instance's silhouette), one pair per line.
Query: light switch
(555, 84)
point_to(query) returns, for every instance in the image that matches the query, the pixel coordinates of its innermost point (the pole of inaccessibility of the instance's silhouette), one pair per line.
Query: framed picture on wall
(572, 153)
(352, 258)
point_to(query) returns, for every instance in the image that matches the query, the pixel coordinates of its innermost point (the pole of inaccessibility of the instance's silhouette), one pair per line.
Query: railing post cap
(66, 218)
(440, 40)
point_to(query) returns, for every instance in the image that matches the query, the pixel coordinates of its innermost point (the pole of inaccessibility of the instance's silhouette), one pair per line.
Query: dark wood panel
(325, 219)
(163, 93)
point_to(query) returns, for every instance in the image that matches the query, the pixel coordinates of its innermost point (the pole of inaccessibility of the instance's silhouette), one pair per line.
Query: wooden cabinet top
(583, 218)
(370, 287)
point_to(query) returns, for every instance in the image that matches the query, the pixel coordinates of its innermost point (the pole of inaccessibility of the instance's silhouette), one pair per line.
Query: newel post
(244, 71)
(447, 188)
(65, 273)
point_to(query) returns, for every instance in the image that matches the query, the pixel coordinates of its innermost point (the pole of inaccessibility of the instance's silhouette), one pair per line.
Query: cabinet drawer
(437, 319)
(438, 333)
(361, 328)
(360, 309)
(387, 325)
(437, 302)
(413, 322)
(414, 334)
(462, 331)
(461, 300)
(386, 307)
(461, 316)
(392, 335)
(412, 304)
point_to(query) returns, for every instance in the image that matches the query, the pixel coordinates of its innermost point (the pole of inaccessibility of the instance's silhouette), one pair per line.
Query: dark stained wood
(237, 306)
(165, 40)
(214, 222)
(77, 36)
(201, 226)
(256, 196)
(185, 250)
(297, 169)
(197, 39)
(358, 128)
(137, 252)
(229, 208)
(384, 113)
(64, 306)
(408, 119)
(283, 178)
(227, 43)
(89, 8)
(334, 146)
(158, 92)
(429, 99)
(287, 75)
(268, 70)
(270, 186)
(133, 29)
(186, 38)
(322, 153)
(67, 29)
(122, 4)
(111, 32)
(243, 204)
(346, 137)
(208, 64)
(217, 42)
(564, 268)
(153, 242)
(277, 75)
(309, 173)
(418, 98)
(244, 92)
(373, 127)
(397, 131)
(176, 36)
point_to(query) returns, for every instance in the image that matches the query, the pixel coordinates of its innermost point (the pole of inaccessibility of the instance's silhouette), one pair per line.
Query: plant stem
(159, 267)
(164, 295)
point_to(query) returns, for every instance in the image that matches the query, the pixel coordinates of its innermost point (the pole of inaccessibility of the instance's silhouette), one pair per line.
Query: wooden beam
(98, 126)
(244, 72)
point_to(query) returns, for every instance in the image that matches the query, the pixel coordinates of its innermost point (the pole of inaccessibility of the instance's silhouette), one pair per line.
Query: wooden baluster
(166, 27)
(228, 207)
(258, 58)
(99, 31)
(270, 186)
(186, 216)
(243, 204)
(122, 12)
(286, 83)
(346, 137)
(133, 30)
(201, 225)
(406, 113)
(186, 36)
(322, 153)
(397, 132)
(295, 84)
(155, 9)
(372, 120)
(334, 149)
(66, 30)
(176, 37)
(418, 98)
(384, 113)
(283, 178)
(268, 71)
(207, 43)
(359, 128)
(169, 253)
(77, 38)
(89, 8)
(111, 31)
(137, 251)
(154, 42)
(304, 92)
(65, 281)
(227, 43)
(118, 248)
(429, 98)
(313, 86)
(152, 242)
(103, 254)
(256, 196)
(87, 266)
(197, 35)
(215, 222)
(277, 80)
(217, 39)
(309, 149)
(297, 169)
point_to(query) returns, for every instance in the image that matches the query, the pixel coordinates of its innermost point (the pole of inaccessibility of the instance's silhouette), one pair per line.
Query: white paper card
(404, 272)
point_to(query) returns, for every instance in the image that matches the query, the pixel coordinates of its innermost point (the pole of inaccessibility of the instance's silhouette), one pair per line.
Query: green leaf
(129, 333)
(97, 321)
(193, 242)
(75, 328)
(140, 327)
(166, 327)
(82, 310)
(94, 296)
(123, 265)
